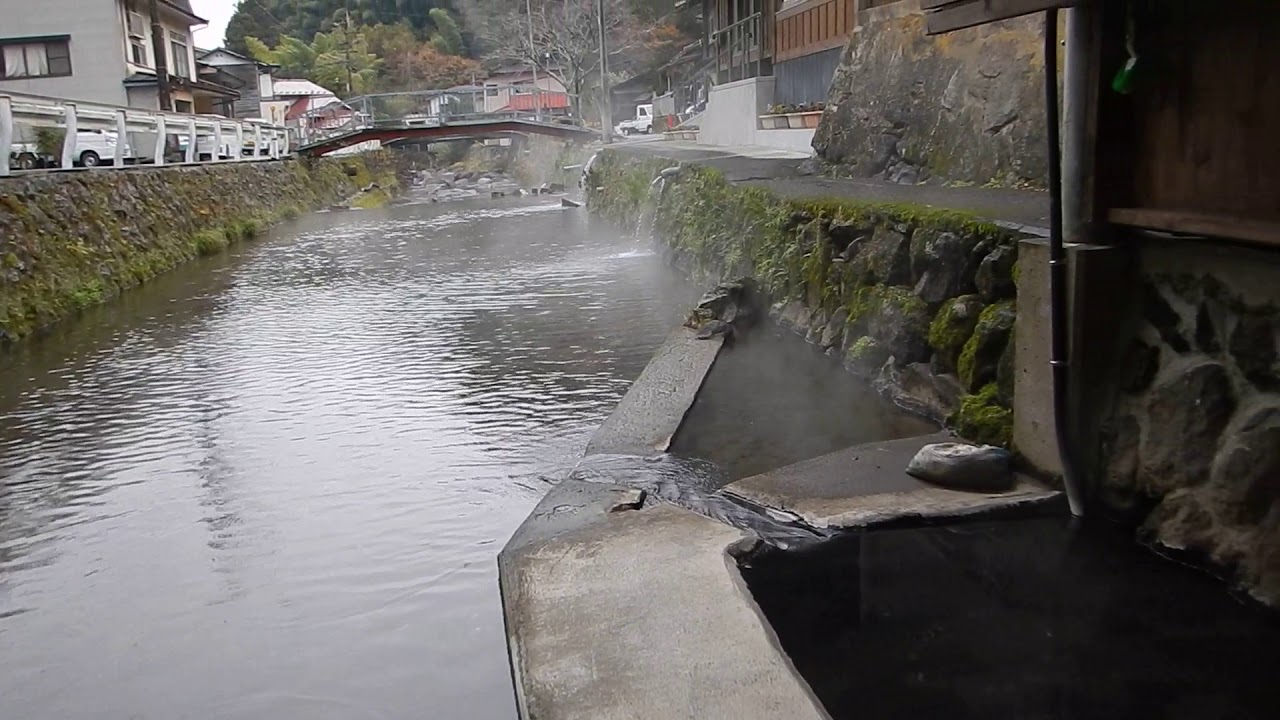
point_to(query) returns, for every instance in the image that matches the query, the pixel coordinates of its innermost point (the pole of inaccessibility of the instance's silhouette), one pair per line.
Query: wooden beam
(1243, 229)
(948, 15)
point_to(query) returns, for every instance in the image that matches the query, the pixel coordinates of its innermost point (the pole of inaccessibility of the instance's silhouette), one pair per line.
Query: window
(137, 26)
(491, 91)
(43, 58)
(181, 58)
(138, 52)
(183, 106)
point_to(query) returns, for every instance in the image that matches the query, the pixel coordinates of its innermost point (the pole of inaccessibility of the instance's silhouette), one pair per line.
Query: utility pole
(606, 109)
(533, 62)
(350, 78)
(163, 93)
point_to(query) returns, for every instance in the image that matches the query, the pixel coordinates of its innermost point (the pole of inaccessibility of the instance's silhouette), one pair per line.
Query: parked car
(641, 123)
(93, 148)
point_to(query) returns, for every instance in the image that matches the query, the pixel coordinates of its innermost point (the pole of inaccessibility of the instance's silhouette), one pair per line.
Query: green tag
(1123, 81)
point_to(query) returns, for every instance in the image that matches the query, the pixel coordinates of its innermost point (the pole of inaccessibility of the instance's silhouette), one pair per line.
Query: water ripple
(274, 483)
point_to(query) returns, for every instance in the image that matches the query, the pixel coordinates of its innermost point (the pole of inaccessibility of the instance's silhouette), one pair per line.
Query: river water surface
(272, 484)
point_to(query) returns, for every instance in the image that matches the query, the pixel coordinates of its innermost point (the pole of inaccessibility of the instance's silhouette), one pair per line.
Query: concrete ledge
(868, 485)
(653, 409)
(620, 613)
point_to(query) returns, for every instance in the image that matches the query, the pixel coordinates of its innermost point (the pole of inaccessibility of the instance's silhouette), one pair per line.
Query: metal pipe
(1058, 299)
(1075, 156)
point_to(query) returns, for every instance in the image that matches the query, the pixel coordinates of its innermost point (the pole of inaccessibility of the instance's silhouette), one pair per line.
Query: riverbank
(920, 300)
(72, 240)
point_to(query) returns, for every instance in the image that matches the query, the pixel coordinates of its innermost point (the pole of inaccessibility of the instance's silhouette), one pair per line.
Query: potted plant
(812, 114)
(794, 119)
(772, 118)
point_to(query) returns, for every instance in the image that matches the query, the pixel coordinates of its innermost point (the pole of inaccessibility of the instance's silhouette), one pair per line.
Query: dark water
(273, 484)
(771, 400)
(1030, 618)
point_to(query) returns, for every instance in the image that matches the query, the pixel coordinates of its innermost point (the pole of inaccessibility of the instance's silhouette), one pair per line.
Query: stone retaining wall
(920, 302)
(72, 240)
(963, 107)
(1192, 444)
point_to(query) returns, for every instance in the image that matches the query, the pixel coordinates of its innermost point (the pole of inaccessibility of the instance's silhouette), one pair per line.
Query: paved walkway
(779, 171)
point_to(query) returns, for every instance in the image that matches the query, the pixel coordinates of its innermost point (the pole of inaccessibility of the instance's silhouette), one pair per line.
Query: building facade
(103, 51)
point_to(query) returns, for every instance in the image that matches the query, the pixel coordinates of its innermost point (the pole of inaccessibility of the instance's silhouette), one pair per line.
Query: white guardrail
(228, 140)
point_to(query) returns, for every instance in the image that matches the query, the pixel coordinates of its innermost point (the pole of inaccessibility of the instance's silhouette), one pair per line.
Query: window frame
(176, 41)
(46, 43)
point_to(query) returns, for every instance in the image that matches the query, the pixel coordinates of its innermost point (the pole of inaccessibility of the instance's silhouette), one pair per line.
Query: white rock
(960, 466)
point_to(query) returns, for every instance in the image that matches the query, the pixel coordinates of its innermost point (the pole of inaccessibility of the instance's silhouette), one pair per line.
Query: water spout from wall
(649, 213)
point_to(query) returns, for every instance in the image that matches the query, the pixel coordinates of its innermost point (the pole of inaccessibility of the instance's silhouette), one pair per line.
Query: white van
(93, 148)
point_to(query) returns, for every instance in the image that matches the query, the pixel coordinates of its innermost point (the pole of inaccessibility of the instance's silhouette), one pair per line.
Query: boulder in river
(960, 466)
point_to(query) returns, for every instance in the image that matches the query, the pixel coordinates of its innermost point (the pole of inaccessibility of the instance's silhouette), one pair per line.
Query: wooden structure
(812, 26)
(948, 15)
(1192, 148)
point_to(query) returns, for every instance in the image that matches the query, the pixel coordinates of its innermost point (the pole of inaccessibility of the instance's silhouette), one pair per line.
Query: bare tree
(565, 39)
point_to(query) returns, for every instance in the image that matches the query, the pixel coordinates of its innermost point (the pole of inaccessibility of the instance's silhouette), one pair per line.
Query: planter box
(811, 119)
(772, 122)
(795, 121)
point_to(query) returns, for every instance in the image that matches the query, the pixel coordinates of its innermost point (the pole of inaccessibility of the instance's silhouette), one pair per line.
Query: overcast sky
(217, 12)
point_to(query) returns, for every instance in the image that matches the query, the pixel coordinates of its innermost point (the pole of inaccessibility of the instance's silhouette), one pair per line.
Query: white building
(102, 51)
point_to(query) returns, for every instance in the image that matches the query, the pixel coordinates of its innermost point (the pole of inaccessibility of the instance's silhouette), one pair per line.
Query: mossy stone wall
(864, 282)
(72, 240)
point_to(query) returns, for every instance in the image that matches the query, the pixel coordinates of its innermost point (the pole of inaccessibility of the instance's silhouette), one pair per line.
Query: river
(272, 484)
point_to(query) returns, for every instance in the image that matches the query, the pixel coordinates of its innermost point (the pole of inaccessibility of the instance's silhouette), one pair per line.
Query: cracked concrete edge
(574, 506)
(648, 417)
(925, 504)
(731, 555)
(569, 506)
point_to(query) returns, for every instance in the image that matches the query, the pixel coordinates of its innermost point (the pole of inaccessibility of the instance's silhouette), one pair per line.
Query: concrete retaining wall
(74, 239)
(967, 106)
(733, 111)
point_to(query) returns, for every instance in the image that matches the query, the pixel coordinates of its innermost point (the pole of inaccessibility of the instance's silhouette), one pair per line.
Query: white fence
(125, 129)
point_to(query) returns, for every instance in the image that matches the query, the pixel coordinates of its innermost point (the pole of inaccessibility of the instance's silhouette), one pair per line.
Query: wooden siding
(1197, 138)
(812, 27)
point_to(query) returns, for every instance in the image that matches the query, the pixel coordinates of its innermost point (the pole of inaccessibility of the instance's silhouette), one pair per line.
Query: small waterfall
(649, 213)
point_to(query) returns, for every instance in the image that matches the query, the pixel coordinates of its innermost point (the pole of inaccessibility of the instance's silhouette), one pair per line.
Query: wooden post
(193, 142)
(239, 141)
(6, 133)
(257, 141)
(217, 141)
(122, 138)
(69, 141)
(161, 131)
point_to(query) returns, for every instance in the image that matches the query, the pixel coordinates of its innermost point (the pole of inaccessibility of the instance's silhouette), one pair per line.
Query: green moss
(981, 343)
(981, 418)
(130, 227)
(953, 326)
(863, 348)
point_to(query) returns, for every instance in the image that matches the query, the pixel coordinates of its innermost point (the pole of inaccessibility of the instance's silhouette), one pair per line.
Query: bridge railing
(437, 108)
(94, 133)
